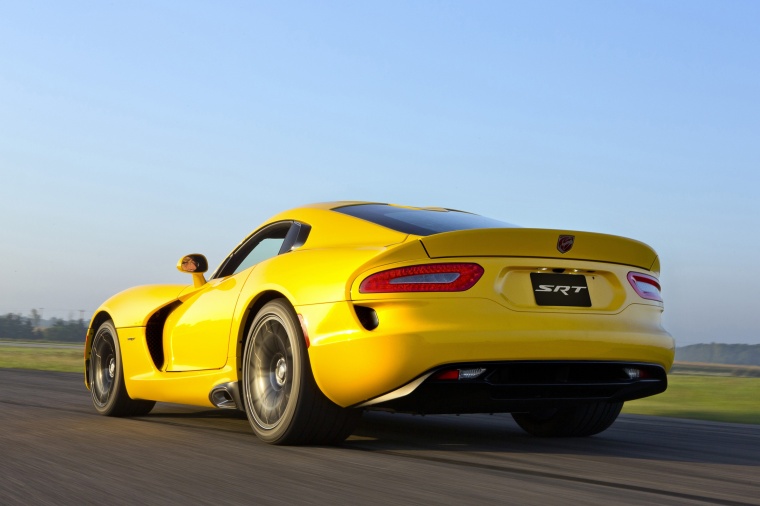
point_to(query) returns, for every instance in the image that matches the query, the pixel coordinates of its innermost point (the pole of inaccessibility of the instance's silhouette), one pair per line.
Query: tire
(282, 401)
(109, 393)
(574, 421)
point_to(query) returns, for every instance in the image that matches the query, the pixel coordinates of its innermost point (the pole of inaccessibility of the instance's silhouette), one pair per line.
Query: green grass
(42, 359)
(703, 397)
(717, 398)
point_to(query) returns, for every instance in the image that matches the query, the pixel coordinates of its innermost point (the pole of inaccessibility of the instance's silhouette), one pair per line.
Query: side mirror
(196, 265)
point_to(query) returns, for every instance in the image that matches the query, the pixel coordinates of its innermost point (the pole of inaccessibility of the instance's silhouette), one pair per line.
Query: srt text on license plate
(560, 289)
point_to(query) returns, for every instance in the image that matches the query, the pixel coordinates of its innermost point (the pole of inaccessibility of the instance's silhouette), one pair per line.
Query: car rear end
(501, 320)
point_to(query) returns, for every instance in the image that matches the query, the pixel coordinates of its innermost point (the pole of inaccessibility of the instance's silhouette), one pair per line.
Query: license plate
(560, 289)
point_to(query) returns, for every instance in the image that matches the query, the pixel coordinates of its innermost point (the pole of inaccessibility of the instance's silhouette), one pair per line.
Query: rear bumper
(526, 386)
(353, 365)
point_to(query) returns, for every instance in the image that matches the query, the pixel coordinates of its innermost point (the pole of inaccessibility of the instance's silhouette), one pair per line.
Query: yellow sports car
(330, 309)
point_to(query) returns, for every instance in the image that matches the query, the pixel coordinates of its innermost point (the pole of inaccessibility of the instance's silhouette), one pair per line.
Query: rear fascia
(522, 386)
(496, 320)
(417, 334)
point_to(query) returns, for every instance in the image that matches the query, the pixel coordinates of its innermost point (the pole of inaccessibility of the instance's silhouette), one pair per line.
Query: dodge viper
(330, 309)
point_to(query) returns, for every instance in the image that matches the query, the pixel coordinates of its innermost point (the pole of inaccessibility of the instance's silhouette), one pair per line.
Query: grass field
(42, 359)
(710, 394)
(717, 398)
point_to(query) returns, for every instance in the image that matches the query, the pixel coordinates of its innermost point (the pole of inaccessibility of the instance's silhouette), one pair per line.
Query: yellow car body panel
(196, 333)
(145, 381)
(352, 366)
(202, 334)
(133, 307)
(503, 323)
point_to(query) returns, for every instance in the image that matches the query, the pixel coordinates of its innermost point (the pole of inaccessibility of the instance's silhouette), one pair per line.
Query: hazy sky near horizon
(132, 133)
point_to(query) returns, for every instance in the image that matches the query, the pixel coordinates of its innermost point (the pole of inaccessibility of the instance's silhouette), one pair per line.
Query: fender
(134, 306)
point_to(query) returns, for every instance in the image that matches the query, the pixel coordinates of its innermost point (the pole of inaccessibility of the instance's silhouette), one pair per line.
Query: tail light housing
(459, 374)
(448, 277)
(648, 287)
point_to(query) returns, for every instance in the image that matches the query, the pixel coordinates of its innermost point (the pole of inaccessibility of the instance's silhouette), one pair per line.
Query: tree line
(720, 353)
(15, 326)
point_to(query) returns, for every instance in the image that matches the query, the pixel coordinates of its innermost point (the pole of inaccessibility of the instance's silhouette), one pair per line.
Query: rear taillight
(458, 374)
(646, 286)
(453, 277)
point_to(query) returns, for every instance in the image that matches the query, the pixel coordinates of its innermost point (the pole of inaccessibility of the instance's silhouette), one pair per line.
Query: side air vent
(154, 334)
(367, 317)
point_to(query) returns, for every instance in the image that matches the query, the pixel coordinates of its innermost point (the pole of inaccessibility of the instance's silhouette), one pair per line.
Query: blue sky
(132, 133)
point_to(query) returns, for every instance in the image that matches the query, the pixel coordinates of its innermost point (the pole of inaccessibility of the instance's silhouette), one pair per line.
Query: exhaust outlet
(226, 396)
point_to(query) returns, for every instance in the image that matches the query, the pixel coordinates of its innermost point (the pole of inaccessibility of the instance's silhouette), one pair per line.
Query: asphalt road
(54, 449)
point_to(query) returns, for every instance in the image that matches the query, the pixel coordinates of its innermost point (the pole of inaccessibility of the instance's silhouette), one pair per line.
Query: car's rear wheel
(572, 421)
(282, 401)
(109, 393)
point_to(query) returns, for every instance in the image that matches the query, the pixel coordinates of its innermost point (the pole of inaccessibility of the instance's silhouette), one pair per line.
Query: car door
(197, 333)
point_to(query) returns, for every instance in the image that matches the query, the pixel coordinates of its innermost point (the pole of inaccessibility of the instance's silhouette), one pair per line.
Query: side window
(266, 243)
(268, 247)
(263, 244)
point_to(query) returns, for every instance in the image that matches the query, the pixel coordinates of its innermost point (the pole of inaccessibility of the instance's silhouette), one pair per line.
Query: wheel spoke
(103, 367)
(270, 372)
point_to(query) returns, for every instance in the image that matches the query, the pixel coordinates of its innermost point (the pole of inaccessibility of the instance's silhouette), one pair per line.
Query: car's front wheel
(282, 401)
(109, 393)
(570, 421)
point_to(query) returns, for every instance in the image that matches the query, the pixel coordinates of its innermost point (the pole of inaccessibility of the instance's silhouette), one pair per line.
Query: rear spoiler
(541, 243)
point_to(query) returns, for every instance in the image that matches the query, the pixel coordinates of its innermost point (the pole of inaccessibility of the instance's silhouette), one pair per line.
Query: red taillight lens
(451, 374)
(424, 278)
(646, 286)
(459, 374)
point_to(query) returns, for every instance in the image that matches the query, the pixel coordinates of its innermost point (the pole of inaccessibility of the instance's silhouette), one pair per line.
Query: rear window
(420, 221)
